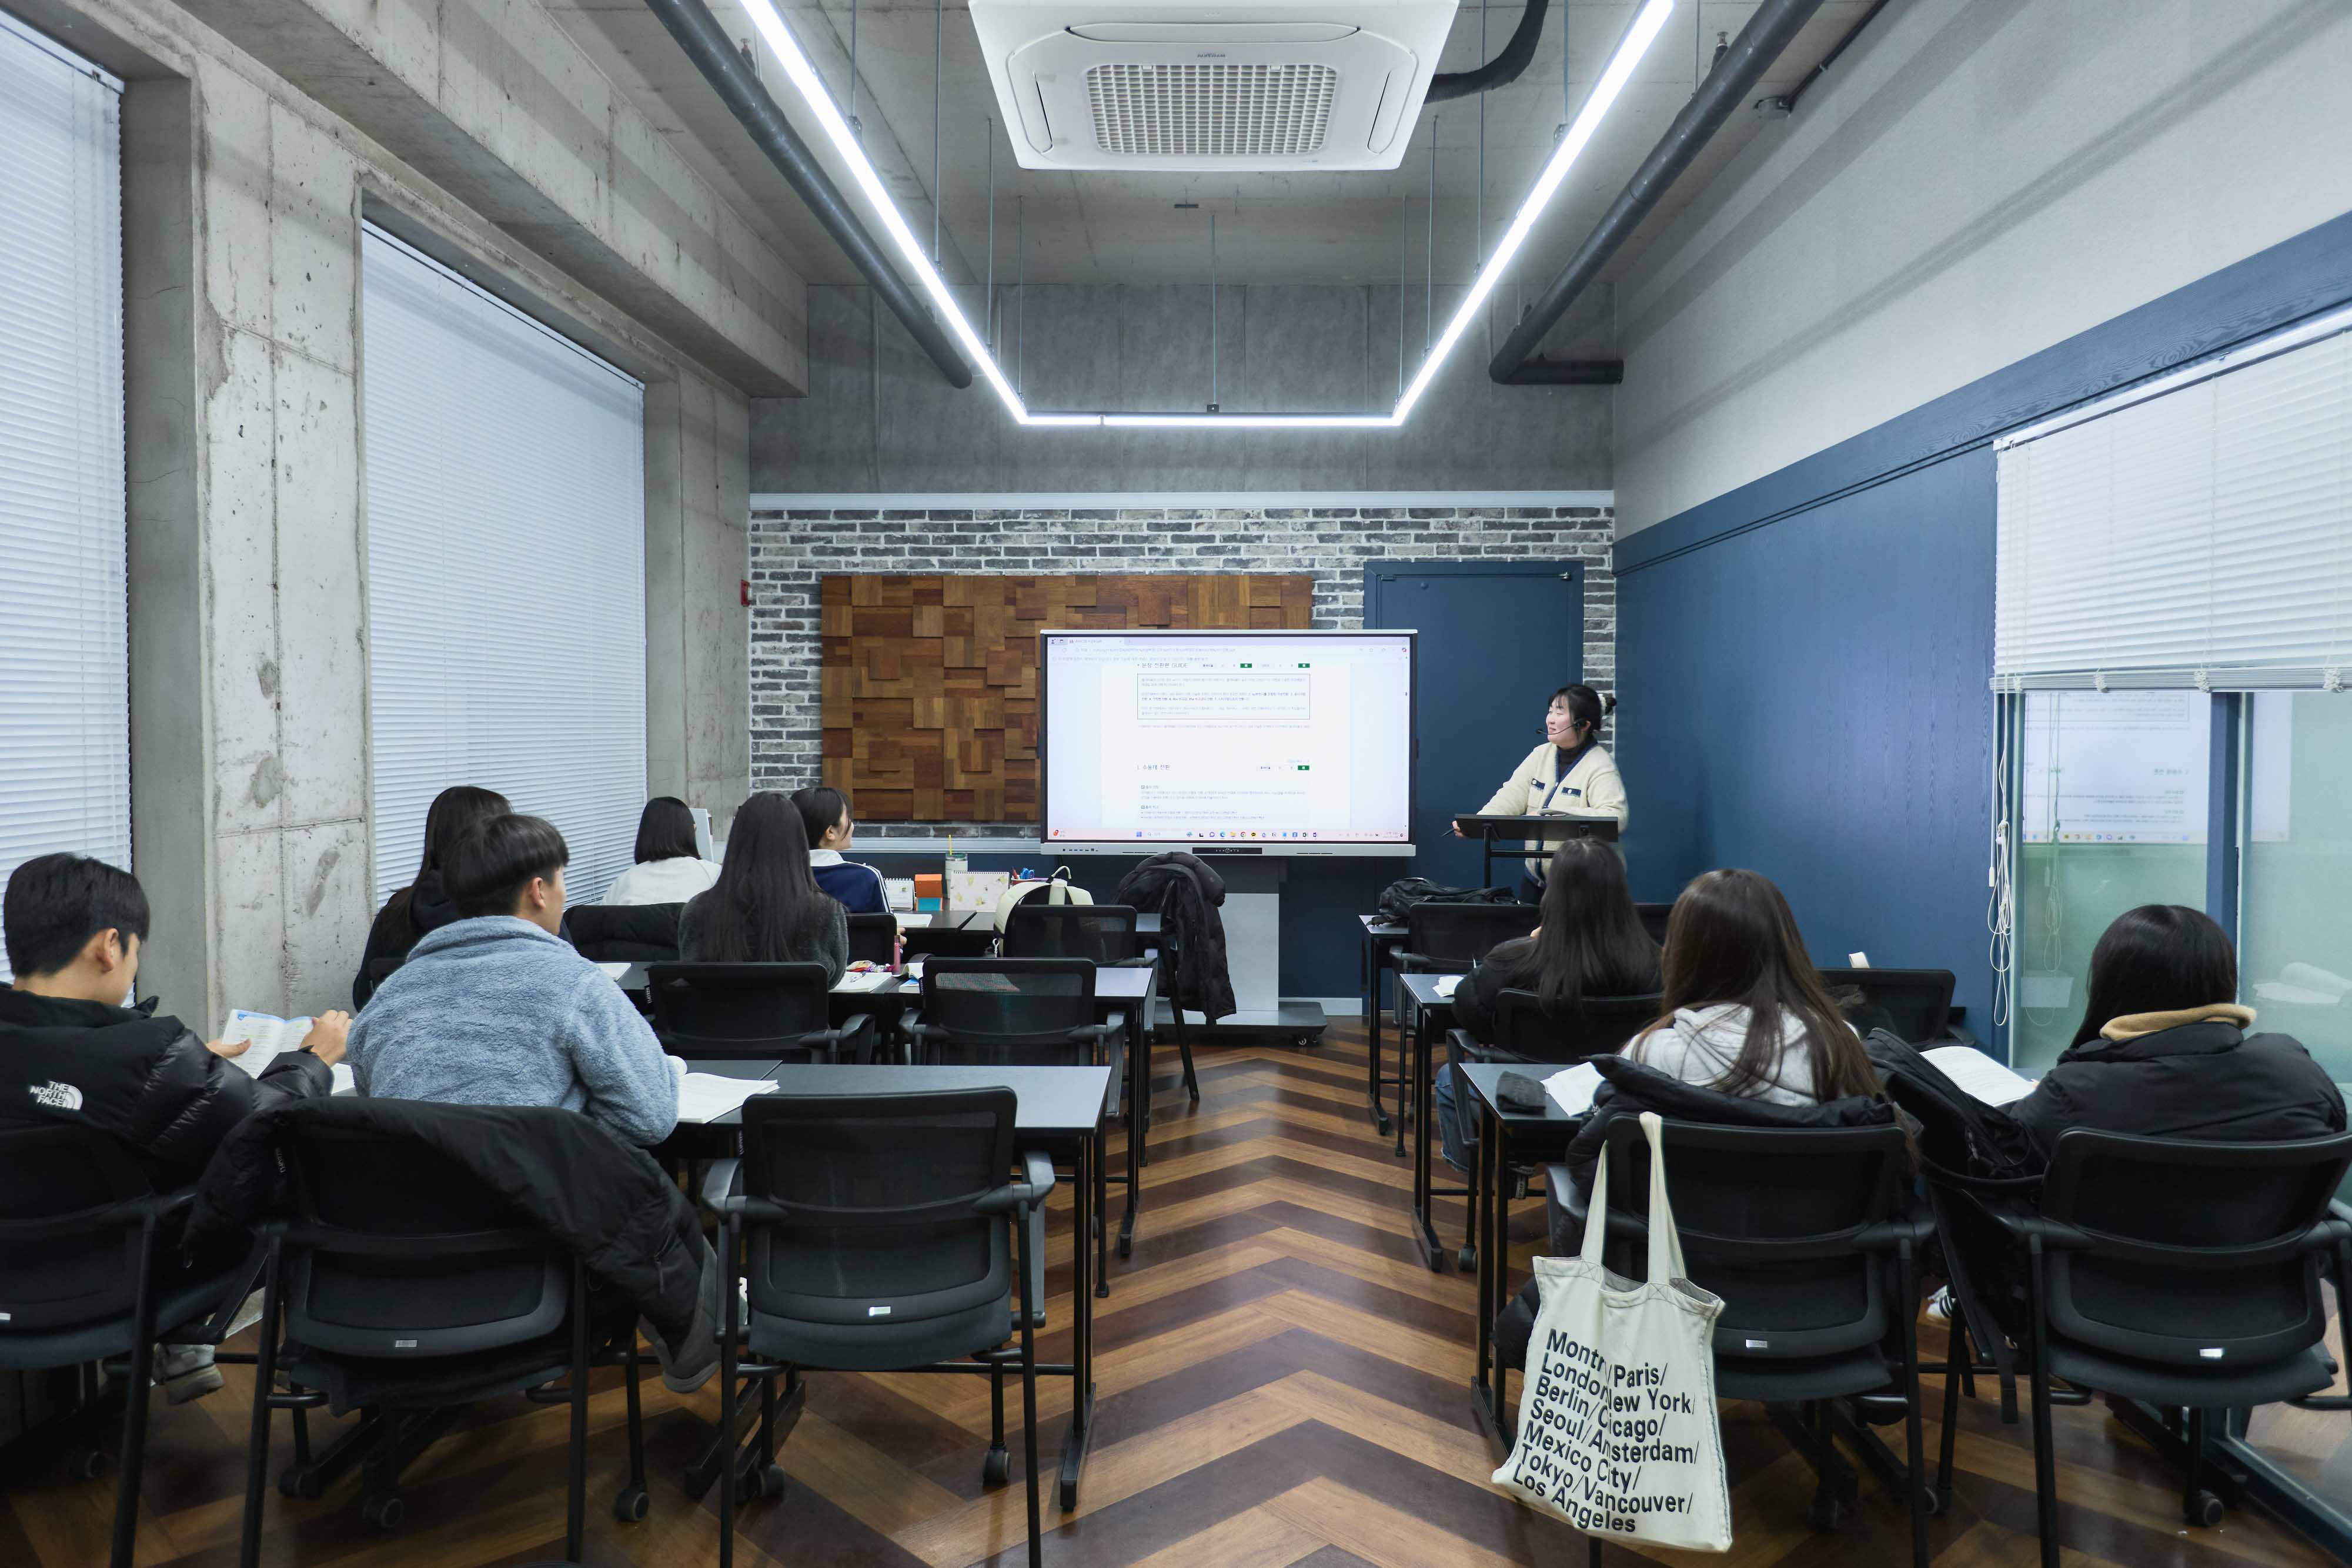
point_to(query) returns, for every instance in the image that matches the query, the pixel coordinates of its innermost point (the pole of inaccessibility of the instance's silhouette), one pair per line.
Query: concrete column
(698, 556)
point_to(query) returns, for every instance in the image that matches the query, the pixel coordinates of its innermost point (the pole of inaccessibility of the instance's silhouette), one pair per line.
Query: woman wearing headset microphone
(1568, 775)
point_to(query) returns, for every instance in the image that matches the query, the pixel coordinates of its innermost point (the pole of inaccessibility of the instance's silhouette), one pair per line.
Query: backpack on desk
(1405, 892)
(1055, 889)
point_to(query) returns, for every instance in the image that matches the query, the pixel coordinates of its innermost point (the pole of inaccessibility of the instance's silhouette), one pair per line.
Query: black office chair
(1524, 1031)
(2185, 1276)
(625, 933)
(1654, 918)
(85, 1275)
(748, 1012)
(401, 1289)
(1917, 1004)
(1450, 938)
(873, 938)
(879, 1234)
(1026, 1012)
(1796, 1230)
(1106, 933)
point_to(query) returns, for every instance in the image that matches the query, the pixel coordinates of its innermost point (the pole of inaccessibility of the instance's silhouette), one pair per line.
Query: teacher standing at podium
(1569, 774)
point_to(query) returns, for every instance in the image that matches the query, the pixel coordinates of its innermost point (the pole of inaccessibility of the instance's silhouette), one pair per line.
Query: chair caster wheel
(294, 1482)
(631, 1504)
(383, 1512)
(1825, 1512)
(996, 1467)
(87, 1465)
(1933, 1503)
(1467, 1259)
(771, 1480)
(2204, 1510)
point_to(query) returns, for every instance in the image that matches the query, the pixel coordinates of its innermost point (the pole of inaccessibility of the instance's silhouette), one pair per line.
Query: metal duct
(1503, 69)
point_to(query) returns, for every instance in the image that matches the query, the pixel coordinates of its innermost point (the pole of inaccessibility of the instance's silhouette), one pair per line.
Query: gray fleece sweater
(495, 1012)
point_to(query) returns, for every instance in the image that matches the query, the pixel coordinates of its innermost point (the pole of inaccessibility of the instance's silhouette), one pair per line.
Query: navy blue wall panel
(1810, 701)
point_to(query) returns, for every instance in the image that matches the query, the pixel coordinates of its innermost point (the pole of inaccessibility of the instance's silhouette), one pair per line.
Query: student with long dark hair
(766, 907)
(669, 867)
(856, 887)
(1590, 944)
(2163, 1051)
(424, 906)
(1744, 1011)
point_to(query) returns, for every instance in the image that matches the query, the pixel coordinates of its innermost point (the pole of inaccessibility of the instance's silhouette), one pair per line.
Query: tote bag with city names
(1618, 1433)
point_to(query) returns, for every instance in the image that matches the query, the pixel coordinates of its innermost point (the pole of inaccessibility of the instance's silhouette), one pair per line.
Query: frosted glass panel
(2295, 947)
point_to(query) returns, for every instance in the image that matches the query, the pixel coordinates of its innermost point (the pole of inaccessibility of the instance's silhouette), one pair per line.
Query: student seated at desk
(2163, 1051)
(423, 906)
(1590, 944)
(497, 1009)
(72, 1053)
(766, 907)
(856, 888)
(669, 867)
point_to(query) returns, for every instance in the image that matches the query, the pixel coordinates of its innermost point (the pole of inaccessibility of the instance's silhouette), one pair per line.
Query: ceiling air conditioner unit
(1254, 87)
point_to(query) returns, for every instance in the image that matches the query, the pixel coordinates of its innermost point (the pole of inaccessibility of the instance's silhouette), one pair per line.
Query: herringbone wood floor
(1281, 1383)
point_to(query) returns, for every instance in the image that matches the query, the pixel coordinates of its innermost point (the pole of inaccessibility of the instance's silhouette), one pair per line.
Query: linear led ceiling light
(1629, 51)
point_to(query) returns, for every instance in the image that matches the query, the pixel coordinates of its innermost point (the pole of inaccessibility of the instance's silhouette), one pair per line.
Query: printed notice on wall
(2117, 768)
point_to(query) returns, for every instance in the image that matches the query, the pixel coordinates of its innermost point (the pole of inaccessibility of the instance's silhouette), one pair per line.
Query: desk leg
(1139, 1102)
(1481, 1387)
(1407, 1099)
(1425, 1111)
(1375, 960)
(1081, 1434)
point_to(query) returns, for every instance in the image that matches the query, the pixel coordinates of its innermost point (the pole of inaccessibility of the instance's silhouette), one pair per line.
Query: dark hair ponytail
(1585, 706)
(765, 907)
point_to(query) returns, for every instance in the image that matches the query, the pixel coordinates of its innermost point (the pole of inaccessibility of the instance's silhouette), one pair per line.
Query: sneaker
(183, 1372)
(1939, 1306)
(687, 1367)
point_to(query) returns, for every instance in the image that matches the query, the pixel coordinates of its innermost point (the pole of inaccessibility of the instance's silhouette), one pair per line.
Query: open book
(1978, 1075)
(267, 1038)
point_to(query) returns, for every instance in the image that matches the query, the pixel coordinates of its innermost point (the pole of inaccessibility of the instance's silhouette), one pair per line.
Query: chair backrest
(1917, 1002)
(1654, 918)
(1008, 1011)
(396, 1251)
(741, 1010)
(1771, 1220)
(68, 1255)
(625, 933)
(1104, 933)
(1600, 1027)
(872, 937)
(1454, 937)
(876, 1232)
(2198, 1253)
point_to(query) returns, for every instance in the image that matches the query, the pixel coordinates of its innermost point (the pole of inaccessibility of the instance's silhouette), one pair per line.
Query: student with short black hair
(669, 866)
(857, 888)
(74, 1051)
(766, 907)
(498, 1010)
(423, 907)
(2163, 1051)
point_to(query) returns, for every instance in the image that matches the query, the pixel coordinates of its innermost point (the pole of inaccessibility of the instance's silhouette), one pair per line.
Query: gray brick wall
(792, 550)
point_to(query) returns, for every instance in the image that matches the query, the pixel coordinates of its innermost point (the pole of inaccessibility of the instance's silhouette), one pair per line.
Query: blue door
(1498, 638)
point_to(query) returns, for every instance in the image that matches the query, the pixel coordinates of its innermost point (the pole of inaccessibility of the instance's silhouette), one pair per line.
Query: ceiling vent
(1263, 86)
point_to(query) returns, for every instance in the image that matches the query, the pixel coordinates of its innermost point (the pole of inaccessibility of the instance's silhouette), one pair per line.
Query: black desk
(1382, 938)
(1060, 1112)
(1416, 1060)
(1506, 1134)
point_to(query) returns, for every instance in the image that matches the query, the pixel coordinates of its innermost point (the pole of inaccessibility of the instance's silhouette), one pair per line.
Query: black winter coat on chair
(1184, 892)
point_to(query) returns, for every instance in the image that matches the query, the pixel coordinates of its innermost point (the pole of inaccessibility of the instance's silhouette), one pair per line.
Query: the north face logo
(58, 1096)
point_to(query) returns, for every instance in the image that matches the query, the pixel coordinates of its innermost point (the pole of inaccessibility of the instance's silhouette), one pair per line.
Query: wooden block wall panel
(929, 684)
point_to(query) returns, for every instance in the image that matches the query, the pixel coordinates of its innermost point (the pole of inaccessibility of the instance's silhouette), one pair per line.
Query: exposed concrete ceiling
(1126, 228)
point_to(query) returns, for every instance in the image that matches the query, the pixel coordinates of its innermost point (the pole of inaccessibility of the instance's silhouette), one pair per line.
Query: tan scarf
(2131, 1026)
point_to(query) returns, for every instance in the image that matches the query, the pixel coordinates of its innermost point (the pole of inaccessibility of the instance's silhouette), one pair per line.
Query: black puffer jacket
(148, 1080)
(606, 1201)
(1185, 894)
(406, 918)
(2196, 1075)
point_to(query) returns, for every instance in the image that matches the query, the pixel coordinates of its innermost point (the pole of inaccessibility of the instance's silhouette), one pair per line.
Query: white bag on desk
(1618, 1432)
(1055, 889)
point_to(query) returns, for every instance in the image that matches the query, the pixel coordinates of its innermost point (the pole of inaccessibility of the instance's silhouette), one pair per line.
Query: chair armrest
(719, 1182)
(215, 1329)
(856, 1038)
(2021, 1224)
(1955, 1035)
(1025, 1195)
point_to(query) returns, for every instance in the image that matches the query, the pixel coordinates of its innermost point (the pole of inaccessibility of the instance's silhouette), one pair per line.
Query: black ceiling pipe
(1569, 373)
(714, 55)
(1769, 32)
(1504, 68)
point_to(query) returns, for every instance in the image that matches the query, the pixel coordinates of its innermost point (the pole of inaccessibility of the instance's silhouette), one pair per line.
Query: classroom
(1601, 821)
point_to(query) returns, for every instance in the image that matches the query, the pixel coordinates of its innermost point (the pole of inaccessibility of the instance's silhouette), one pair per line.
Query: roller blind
(2195, 532)
(65, 704)
(506, 568)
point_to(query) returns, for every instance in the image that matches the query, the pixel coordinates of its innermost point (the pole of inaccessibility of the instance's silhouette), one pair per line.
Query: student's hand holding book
(329, 1033)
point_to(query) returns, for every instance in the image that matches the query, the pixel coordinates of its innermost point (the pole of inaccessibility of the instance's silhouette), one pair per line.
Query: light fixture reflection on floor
(805, 79)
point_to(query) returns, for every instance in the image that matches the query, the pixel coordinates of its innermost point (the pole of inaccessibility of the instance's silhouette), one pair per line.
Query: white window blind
(2195, 532)
(506, 568)
(65, 682)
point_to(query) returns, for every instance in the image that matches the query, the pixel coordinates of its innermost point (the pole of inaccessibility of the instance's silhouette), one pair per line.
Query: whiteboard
(2117, 768)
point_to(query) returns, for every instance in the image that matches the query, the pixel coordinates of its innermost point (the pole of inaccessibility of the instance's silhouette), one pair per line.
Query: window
(506, 568)
(65, 682)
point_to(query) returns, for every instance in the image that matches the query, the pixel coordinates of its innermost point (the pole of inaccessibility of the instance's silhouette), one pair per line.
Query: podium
(1531, 830)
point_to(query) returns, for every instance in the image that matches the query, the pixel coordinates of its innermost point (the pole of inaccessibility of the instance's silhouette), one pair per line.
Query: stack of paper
(1446, 983)
(1975, 1074)
(706, 1096)
(1572, 1088)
